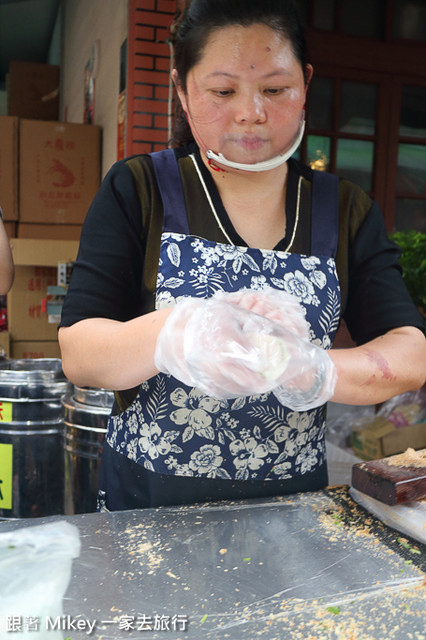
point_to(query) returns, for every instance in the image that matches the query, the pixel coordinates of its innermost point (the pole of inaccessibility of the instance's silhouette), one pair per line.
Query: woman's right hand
(203, 344)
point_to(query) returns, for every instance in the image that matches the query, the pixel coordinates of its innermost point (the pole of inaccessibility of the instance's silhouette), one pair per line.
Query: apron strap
(325, 214)
(170, 185)
(325, 203)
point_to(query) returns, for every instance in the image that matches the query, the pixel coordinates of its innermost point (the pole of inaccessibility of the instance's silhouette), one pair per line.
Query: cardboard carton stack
(9, 172)
(49, 170)
(32, 335)
(59, 169)
(49, 174)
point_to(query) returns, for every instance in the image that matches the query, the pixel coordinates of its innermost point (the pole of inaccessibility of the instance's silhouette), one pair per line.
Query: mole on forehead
(268, 50)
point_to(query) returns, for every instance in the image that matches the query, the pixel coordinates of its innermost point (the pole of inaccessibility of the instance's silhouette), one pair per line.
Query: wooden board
(389, 482)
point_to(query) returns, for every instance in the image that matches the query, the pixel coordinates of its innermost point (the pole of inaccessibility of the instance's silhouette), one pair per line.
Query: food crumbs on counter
(172, 575)
(410, 458)
(223, 551)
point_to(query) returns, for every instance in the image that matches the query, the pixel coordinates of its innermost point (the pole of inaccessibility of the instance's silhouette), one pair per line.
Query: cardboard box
(59, 171)
(36, 268)
(35, 349)
(9, 167)
(42, 253)
(33, 90)
(385, 436)
(49, 231)
(10, 228)
(5, 342)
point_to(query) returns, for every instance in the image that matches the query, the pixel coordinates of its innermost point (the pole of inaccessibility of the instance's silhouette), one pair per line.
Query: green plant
(413, 263)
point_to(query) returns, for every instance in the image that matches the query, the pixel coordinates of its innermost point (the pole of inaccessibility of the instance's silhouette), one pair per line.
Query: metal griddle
(304, 566)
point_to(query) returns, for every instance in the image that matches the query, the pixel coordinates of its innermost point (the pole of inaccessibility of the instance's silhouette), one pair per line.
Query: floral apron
(174, 431)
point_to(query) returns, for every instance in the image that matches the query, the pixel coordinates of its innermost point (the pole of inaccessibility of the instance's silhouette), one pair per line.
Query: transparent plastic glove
(276, 305)
(204, 344)
(310, 380)
(169, 351)
(228, 351)
(316, 376)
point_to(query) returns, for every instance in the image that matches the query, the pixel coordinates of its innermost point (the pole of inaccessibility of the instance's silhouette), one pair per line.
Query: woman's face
(245, 97)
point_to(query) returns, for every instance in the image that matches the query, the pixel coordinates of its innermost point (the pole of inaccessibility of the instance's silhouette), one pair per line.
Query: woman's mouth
(251, 143)
(248, 141)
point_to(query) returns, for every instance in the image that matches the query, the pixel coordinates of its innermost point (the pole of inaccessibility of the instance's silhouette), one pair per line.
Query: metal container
(86, 413)
(31, 437)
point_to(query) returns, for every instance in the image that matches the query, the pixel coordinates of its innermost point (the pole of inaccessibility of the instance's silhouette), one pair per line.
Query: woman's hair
(195, 20)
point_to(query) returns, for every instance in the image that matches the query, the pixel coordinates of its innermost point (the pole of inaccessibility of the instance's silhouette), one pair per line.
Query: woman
(239, 236)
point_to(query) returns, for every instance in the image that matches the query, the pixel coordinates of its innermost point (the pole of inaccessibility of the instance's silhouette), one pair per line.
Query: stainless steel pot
(86, 413)
(31, 437)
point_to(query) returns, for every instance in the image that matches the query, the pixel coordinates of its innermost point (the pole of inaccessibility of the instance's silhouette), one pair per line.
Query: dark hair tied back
(196, 19)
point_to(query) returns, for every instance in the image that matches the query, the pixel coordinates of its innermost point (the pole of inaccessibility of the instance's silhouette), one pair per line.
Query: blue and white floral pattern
(174, 429)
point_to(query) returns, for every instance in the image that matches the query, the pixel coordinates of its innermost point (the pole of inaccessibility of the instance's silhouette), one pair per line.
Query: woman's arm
(104, 353)
(382, 368)
(115, 355)
(6, 261)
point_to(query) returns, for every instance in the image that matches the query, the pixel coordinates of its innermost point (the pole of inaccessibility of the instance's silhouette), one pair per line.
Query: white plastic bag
(35, 569)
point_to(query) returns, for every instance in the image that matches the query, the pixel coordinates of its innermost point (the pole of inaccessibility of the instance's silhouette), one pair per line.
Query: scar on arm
(381, 363)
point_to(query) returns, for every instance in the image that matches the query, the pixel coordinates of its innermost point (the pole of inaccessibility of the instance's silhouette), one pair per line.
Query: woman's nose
(250, 109)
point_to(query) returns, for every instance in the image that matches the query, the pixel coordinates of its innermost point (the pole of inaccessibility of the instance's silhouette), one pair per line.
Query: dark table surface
(308, 566)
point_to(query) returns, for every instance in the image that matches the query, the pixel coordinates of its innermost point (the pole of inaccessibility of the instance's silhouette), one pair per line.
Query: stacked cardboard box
(32, 335)
(4, 343)
(49, 170)
(9, 170)
(59, 174)
(385, 435)
(49, 174)
(33, 90)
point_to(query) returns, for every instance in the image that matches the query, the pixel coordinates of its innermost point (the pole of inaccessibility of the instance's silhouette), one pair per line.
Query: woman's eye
(275, 91)
(223, 93)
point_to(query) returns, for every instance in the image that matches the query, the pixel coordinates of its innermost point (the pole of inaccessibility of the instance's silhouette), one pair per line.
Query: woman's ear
(175, 77)
(309, 72)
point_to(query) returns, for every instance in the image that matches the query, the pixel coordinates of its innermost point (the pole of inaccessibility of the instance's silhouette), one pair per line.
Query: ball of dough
(273, 354)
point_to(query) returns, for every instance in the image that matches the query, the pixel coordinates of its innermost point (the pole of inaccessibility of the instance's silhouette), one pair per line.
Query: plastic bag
(35, 569)
(343, 418)
(408, 518)
(407, 408)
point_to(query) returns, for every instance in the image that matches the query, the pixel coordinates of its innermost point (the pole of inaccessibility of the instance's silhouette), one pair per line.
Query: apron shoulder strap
(170, 185)
(325, 214)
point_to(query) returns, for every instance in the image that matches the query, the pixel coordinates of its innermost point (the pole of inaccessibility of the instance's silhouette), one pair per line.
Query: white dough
(274, 355)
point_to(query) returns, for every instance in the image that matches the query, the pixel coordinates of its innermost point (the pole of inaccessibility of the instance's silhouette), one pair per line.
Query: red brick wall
(148, 75)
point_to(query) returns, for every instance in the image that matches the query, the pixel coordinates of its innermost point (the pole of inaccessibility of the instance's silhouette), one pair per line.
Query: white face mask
(266, 165)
